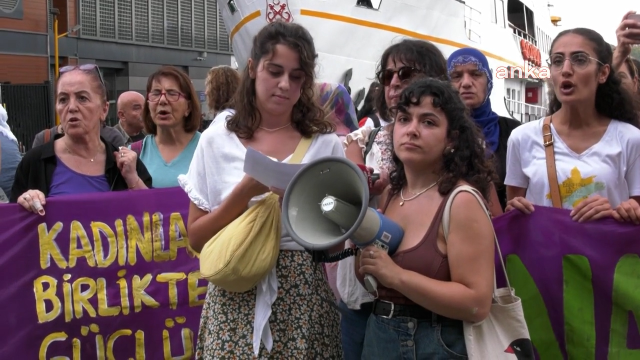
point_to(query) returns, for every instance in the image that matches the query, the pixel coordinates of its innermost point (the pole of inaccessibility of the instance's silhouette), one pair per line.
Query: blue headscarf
(341, 105)
(484, 117)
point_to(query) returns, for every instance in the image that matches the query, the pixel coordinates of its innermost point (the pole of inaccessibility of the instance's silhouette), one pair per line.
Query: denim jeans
(406, 338)
(353, 324)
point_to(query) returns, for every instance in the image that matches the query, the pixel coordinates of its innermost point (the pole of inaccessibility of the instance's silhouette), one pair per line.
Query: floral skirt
(303, 323)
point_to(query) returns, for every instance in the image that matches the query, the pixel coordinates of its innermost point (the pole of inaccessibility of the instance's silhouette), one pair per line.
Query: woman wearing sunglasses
(171, 118)
(592, 133)
(80, 161)
(400, 64)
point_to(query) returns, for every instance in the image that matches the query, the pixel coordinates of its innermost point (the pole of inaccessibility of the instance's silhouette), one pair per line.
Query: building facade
(24, 38)
(127, 39)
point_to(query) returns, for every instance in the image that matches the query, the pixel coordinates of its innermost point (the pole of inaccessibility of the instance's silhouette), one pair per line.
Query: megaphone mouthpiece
(340, 212)
(327, 203)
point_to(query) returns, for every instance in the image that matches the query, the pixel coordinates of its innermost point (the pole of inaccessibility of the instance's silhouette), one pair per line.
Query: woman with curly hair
(399, 65)
(222, 82)
(432, 283)
(285, 316)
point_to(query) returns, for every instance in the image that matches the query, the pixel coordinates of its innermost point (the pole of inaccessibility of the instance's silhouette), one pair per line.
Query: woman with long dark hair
(286, 315)
(432, 283)
(593, 131)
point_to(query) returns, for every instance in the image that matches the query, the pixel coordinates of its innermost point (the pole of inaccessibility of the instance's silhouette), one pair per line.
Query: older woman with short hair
(80, 161)
(171, 118)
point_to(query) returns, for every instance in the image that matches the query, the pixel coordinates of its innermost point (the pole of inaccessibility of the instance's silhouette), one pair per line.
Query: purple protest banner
(579, 283)
(102, 276)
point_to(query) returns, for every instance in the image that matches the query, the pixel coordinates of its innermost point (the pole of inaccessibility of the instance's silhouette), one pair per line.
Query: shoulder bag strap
(376, 120)
(547, 141)
(47, 135)
(370, 142)
(301, 150)
(445, 228)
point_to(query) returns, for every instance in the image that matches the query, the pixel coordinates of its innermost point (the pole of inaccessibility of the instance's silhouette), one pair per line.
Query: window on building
(369, 4)
(231, 4)
(494, 15)
(499, 12)
(189, 24)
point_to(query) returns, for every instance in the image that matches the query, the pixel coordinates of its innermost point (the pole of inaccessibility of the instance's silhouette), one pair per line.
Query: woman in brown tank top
(429, 286)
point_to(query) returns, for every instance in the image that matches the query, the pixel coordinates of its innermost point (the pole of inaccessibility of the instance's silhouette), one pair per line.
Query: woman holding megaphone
(431, 284)
(400, 64)
(275, 111)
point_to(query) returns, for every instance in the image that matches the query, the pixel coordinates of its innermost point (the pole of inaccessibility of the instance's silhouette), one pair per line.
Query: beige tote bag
(504, 333)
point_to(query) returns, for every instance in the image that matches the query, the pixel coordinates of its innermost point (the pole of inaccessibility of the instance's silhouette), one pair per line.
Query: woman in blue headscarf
(470, 73)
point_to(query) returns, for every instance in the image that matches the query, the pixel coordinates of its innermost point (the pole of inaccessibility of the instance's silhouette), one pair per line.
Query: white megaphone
(327, 203)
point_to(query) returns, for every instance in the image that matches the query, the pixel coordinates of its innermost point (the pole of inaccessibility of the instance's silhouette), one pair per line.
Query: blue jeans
(406, 338)
(353, 324)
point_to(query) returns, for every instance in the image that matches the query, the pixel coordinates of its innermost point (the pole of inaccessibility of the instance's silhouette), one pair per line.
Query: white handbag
(504, 332)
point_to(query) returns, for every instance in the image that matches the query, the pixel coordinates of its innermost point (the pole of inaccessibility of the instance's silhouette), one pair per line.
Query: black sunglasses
(404, 73)
(83, 67)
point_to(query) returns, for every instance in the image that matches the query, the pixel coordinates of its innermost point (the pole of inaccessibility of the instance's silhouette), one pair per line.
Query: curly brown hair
(192, 121)
(222, 82)
(467, 160)
(307, 116)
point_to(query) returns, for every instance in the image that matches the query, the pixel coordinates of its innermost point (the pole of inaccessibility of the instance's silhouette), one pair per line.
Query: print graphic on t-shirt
(576, 188)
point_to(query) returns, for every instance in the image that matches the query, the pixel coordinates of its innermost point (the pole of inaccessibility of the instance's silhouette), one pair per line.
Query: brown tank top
(424, 258)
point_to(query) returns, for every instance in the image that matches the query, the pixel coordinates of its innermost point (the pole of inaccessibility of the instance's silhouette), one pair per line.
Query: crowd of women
(437, 132)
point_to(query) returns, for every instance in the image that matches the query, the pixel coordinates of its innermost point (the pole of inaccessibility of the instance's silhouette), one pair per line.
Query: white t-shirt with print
(609, 168)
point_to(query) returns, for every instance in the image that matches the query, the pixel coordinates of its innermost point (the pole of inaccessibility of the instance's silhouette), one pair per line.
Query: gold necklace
(92, 159)
(418, 193)
(276, 129)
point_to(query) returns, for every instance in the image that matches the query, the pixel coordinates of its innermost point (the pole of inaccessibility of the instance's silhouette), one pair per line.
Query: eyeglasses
(83, 67)
(171, 95)
(579, 61)
(404, 73)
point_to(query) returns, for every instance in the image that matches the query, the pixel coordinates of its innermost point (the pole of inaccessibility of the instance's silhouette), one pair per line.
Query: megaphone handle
(371, 284)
